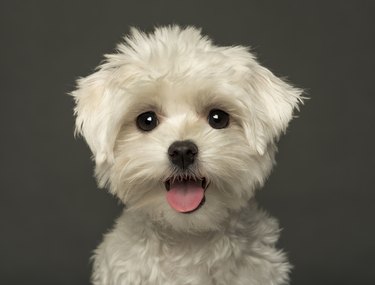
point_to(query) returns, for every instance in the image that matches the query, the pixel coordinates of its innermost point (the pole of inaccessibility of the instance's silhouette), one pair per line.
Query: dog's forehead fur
(169, 99)
(178, 66)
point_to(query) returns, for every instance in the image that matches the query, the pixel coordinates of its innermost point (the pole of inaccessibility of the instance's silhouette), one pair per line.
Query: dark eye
(218, 119)
(147, 121)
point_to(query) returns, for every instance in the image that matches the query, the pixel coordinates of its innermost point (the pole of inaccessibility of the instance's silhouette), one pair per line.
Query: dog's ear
(99, 109)
(270, 103)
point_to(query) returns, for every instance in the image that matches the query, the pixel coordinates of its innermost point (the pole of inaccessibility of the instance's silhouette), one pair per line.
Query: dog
(183, 131)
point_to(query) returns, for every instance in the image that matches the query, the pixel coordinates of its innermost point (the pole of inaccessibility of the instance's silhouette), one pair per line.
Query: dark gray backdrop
(322, 191)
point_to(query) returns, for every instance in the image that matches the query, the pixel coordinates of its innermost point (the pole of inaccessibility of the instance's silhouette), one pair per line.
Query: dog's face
(182, 130)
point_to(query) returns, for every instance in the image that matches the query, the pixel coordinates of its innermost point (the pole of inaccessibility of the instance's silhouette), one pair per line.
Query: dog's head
(181, 129)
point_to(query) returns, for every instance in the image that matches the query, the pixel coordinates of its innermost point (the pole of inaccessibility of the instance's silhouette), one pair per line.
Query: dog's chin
(196, 206)
(208, 216)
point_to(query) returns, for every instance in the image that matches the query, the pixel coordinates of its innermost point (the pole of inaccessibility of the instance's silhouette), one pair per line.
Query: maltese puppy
(182, 132)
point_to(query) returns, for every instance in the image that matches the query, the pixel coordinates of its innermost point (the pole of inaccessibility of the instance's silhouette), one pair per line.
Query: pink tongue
(185, 196)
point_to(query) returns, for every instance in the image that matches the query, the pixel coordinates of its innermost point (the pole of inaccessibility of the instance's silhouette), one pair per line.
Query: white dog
(183, 132)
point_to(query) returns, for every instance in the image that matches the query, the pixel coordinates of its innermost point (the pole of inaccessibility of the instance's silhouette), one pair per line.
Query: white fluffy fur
(181, 75)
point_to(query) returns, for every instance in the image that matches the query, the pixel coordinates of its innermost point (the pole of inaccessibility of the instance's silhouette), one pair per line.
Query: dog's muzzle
(185, 191)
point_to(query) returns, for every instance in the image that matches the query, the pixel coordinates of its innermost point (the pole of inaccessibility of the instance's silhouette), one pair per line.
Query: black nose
(182, 153)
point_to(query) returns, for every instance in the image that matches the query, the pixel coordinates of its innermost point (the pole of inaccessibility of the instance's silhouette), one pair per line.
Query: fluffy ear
(271, 105)
(99, 110)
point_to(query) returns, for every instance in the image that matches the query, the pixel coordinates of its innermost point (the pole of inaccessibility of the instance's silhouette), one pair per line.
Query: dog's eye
(218, 119)
(147, 121)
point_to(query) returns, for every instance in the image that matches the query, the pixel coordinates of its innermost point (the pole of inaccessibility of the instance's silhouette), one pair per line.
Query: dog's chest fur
(139, 253)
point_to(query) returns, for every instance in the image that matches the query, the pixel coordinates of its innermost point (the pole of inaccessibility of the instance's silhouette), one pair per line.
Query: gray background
(322, 190)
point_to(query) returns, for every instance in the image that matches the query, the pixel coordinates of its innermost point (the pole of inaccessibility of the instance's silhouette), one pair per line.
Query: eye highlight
(147, 121)
(218, 119)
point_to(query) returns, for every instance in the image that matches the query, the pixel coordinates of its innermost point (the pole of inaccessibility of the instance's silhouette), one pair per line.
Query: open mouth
(186, 194)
